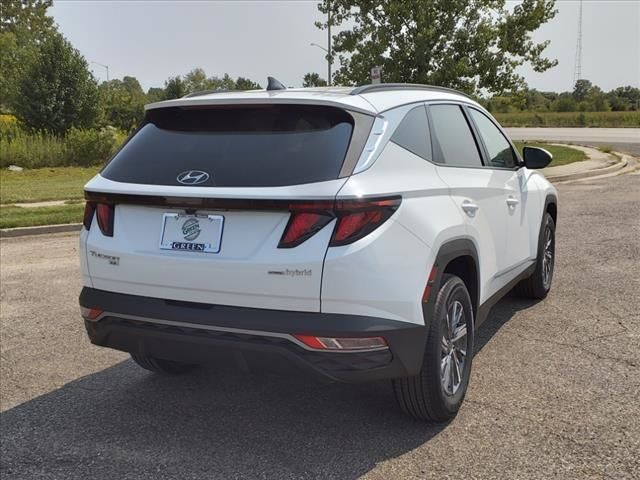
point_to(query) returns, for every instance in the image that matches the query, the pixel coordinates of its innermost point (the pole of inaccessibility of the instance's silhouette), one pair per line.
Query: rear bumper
(203, 333)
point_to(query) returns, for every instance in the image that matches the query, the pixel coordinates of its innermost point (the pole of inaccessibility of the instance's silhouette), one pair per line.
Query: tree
(123, 102)
(196, 81)
(57, 90)
(313, 80)
(466, 44)
(625, 98)
(24, 26)
(246, 84)
(581, 89)
(155, 94)
(175, 87)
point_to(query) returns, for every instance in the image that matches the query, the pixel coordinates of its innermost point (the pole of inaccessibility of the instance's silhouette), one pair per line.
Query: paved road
(554, 390)
(626, 140)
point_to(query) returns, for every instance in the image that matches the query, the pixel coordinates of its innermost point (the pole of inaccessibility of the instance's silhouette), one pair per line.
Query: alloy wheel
(454, 348)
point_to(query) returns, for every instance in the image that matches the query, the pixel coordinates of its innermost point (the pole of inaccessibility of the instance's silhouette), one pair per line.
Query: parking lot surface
(554, 390)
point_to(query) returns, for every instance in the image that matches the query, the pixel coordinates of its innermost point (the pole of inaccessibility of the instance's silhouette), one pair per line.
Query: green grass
(11, 216)
(569, 119)
(561, 155)
(40, 184)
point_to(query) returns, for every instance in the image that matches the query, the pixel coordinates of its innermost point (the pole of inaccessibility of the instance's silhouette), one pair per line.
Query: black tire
(424, 396)
(158, 365)
(538, 284)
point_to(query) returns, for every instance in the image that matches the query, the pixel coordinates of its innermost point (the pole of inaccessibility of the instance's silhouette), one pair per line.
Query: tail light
(305, 221)
(355, 219)
(105, 214)
(89, 210)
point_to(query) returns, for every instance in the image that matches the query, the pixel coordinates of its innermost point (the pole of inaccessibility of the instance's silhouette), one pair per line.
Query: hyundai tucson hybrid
(357, 233)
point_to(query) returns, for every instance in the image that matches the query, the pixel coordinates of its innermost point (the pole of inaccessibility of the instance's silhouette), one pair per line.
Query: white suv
(359, 233)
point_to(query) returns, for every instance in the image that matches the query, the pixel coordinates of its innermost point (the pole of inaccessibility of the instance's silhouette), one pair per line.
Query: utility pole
(577, 72)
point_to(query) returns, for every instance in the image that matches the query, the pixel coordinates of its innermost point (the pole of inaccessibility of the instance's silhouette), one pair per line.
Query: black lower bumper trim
(193, 336)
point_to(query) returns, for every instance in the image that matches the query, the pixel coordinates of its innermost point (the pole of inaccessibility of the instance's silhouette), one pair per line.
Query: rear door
(480, 193)
(203, 202)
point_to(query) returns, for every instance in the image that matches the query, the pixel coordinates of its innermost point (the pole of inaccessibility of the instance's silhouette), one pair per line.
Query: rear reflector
(89, 210)
(355, 220)
(343, 343)
(105, 214)
(430, 282)
(90, 313)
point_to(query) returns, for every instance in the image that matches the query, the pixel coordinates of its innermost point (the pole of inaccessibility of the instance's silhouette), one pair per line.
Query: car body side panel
(385, 273)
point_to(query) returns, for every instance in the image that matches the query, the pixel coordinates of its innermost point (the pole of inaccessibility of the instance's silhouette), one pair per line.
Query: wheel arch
(458, 257)
(551, 207)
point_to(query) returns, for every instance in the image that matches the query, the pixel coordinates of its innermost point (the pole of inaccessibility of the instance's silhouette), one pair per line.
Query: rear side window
(455, 141)
(498, 148)
(238, 146)
(413, 133)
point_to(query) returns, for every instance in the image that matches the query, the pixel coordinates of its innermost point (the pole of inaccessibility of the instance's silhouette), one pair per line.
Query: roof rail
(381, 87)
(206, 92)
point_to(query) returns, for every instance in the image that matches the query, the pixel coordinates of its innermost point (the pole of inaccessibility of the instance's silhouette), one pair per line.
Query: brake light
(89, 210)
(301, 226)
(355, 220)
(105, 213)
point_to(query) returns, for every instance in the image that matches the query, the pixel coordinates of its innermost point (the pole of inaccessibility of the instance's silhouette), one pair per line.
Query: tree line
(472, 46)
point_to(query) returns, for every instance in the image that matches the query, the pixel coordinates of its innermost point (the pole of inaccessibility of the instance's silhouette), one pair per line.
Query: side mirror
(535, 157)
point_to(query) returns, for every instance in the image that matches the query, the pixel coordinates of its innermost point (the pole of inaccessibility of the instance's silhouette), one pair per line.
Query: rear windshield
(237, 146)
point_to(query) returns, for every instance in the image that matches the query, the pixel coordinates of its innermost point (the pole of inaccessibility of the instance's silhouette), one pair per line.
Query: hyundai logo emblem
(193, 177)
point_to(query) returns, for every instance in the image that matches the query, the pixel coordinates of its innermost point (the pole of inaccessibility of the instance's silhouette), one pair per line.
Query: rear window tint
(248, 146)
(413, 133)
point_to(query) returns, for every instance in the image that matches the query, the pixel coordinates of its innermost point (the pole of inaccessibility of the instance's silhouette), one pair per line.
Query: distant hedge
(42, 149)
(569, 119)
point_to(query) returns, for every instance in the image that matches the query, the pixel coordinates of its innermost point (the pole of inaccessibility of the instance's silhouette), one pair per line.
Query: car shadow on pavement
(500, 314)
(124, 422)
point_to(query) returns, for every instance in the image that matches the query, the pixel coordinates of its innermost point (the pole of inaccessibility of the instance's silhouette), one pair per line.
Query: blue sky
(153, 40)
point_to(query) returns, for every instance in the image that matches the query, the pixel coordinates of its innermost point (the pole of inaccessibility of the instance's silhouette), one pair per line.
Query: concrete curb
(23, 231)
(619, 165)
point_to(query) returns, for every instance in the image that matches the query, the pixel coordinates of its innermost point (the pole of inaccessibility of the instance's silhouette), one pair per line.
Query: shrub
(31, 150)
(41, 149)
(9, 127)
(89, 147)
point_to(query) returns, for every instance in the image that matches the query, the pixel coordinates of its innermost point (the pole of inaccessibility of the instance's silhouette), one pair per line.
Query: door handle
(512, 202)
(469, 208)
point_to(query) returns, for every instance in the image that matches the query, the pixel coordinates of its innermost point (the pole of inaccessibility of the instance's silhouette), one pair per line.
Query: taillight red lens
(105, 214)
(89, 210)
(301, 226)
(356, 219)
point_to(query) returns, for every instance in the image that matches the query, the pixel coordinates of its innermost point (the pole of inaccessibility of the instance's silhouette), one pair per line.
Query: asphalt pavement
(626, 140)
(554, 389)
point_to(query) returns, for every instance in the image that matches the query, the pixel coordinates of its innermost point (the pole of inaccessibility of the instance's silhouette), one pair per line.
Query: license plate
(192, 233)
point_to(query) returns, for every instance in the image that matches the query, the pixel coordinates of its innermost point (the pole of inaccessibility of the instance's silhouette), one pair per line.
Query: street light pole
(328, 49)
(106, 67)
(329, 58)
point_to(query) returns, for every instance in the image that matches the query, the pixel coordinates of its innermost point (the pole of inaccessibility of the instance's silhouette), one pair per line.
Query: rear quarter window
(413, 133)
(238, 146)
